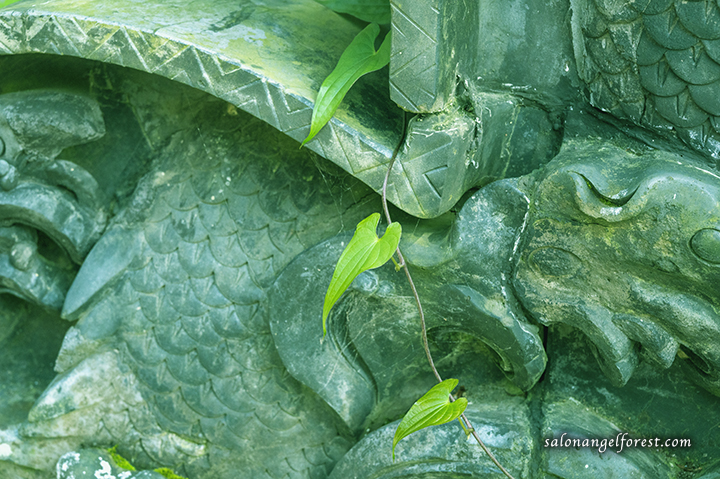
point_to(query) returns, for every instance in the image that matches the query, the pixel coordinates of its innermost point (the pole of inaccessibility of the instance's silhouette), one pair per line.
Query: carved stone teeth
(615, 351)
(657, 344)
(689, 319)
(53, 212)
(23, 275)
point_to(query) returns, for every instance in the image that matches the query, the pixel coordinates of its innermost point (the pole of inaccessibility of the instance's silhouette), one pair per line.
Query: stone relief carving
(56, 197)
(561, 218)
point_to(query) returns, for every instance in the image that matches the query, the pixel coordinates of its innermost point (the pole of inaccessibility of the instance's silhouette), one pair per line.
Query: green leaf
(358, 59)
(364, 251)
(433, 409)
(377, 11)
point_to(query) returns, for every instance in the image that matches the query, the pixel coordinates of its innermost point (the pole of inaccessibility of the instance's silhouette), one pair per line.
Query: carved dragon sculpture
(187, 352)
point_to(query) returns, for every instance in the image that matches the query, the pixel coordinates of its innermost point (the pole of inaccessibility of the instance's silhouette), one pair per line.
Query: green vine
(366, 250)
(358, 59)
(437, 406)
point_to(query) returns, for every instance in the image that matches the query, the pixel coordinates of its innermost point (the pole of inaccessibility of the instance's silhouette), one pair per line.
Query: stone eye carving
(706, 245)
(614, 200)
(556, 262)
(606, 198)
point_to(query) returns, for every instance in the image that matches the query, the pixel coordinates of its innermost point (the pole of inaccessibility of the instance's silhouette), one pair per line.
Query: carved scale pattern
(657, 63)
(192, 325)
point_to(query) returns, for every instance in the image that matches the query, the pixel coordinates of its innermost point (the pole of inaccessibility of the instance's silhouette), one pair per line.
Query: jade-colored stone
(430, 39)
(97, 463)
(165, 245)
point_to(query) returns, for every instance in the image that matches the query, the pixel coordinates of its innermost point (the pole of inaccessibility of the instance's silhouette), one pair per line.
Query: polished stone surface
(165, 245)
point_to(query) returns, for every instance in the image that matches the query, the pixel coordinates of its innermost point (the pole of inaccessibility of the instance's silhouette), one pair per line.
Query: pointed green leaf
(358, 59)
(364, 251)
(433, 409)
(377, 11)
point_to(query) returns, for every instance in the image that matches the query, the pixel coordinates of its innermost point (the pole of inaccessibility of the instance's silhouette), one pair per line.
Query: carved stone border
(256, 55)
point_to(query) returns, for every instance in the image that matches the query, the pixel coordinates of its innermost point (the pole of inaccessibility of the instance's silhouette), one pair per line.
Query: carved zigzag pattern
(414, 63)
(353, 150)
(152, 53)
(67, 35)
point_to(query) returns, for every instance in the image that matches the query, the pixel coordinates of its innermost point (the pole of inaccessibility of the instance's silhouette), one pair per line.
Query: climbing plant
(358, 59)
(366, 250)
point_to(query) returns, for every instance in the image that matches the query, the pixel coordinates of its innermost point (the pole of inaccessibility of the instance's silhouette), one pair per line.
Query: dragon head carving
(626, 248)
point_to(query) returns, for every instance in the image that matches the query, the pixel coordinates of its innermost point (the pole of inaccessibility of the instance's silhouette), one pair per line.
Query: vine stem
(403, 265)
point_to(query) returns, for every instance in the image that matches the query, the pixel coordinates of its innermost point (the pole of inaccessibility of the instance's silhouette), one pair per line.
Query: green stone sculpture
(583, 219)
(165, 246)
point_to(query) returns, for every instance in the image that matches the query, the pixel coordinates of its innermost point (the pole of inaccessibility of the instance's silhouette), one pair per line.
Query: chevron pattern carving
(414, 70)
(347, 141)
